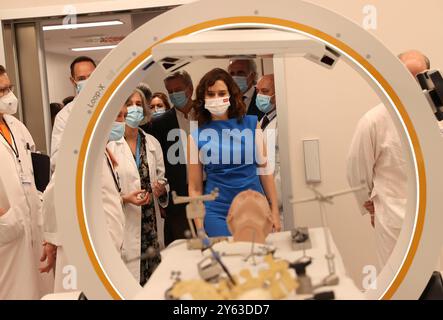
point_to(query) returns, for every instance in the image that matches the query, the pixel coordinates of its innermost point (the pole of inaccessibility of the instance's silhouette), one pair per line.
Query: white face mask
(8, 104)
(217, 106)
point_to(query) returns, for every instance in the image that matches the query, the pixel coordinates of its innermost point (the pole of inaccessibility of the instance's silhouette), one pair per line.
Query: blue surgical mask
(79, 85)
(178, 99)
(117, 132)
(242, 83)
(135, 116)
(263, 103)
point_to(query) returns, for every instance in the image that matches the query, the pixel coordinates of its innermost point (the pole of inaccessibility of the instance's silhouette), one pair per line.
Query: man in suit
(171, 130)
(244, 73)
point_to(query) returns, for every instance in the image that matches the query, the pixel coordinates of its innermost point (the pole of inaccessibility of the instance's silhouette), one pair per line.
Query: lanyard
(272, 115)
(268, 118)
(137, 151)
(114, 175)
(15, 150)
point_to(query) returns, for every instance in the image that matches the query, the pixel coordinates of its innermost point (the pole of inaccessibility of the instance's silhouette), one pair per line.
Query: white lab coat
(51, 236)
(130, 181)
(273, 156)
(50, 223)
(115, 221)
(375, 157)
(112, 205)
(61, 119)
(21, 233)
(111, 198)
(440, 126)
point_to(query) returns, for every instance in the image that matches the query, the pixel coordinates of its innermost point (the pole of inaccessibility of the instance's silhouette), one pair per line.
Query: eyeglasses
(4, 91)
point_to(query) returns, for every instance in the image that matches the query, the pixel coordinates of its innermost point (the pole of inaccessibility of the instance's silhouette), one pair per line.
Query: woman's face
(218, 90)
(135, 99)
(156, 103)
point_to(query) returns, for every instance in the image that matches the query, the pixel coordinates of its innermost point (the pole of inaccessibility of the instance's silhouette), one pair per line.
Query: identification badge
(25, 179)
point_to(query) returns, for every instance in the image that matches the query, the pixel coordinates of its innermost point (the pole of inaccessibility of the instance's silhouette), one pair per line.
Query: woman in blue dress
(228, 147)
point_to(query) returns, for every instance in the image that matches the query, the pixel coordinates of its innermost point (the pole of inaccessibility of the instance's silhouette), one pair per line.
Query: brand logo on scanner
(96, 96)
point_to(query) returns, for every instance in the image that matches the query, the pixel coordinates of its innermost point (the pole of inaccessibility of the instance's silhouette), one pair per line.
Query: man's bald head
(415, 61)
(269, 79)
(266, 83)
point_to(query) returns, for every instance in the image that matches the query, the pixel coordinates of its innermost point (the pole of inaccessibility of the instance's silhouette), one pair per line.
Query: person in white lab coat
(141, 169)
(81, 69)
(21, 235)
(375, 158)
(267, 104)
(112, 206)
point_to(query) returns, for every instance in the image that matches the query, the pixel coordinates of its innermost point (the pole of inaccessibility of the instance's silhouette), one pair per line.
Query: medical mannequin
(250, 218)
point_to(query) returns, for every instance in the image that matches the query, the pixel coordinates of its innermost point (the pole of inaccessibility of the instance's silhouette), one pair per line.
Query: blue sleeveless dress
(227, 152)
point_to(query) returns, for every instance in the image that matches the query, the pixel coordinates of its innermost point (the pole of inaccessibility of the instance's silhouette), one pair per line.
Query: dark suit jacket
(253, 110)
(175, 221)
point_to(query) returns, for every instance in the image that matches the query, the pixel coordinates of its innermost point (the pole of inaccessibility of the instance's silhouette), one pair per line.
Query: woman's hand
(2, 211)
(138, 198)
(276, 224)
(158, 189)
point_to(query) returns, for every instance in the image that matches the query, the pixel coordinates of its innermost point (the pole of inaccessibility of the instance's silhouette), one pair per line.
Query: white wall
(57, 67)
(400, 25)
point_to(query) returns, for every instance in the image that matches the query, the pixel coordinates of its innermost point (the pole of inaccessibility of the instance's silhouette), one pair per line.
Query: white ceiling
(62, 41)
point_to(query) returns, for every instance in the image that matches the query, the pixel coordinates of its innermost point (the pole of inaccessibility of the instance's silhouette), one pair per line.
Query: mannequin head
(249, 218)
